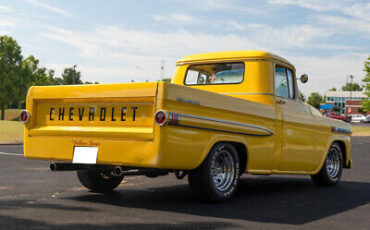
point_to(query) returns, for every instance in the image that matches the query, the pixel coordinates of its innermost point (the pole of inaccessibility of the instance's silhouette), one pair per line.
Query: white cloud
(317, 5)
(48, 7)
(120, 54)
(117, 52)
(110, 53)
(328, 72)
(360, 10)
(5, 9)
(350, 8)
(176, 18)
(228, 5)
(345, 25)
(119, 41)
(296, 36)
(234, 25)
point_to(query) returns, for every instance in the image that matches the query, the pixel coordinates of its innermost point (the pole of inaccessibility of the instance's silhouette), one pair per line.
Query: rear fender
(221, 138)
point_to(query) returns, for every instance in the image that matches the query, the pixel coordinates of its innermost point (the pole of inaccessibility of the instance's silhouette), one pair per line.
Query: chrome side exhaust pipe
(115, 170)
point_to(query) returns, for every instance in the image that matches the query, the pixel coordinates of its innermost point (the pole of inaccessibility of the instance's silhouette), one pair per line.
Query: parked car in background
(367, 119)
(338, 116)
(358, 118)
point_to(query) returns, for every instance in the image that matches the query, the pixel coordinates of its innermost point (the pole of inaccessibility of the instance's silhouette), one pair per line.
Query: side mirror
(304, 78)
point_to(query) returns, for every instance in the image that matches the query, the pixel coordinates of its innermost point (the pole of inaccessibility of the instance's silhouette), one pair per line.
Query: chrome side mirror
(304, 78)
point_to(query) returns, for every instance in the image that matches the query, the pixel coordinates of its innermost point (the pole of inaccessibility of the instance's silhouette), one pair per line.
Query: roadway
(32, 197)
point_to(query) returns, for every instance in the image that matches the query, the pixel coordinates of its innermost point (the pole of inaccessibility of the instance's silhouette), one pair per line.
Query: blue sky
(116, 41)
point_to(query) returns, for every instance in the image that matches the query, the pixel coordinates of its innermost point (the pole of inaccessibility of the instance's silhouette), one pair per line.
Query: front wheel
(216, 179)
(331, 171)
(98, 181)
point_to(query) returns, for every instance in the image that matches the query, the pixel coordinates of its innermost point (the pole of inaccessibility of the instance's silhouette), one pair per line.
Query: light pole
(350, 93)
(73, 76)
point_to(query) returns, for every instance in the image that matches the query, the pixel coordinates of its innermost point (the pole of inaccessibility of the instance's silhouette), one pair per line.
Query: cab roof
(231, 55)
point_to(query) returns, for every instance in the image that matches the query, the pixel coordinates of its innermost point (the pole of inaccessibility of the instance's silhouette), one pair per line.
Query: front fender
(346, 140)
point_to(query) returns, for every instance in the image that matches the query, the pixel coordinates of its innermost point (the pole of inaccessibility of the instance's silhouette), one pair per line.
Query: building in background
(348, 102)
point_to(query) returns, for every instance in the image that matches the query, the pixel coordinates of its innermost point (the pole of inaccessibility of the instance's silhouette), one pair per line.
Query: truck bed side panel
(207, 118)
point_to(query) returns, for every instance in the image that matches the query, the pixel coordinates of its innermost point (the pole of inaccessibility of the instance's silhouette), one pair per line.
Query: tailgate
(114, 111)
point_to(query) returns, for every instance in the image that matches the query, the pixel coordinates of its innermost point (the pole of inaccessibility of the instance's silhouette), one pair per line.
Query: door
(298, 150)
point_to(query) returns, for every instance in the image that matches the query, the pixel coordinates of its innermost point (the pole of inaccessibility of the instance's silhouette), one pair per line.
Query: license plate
(85, 155)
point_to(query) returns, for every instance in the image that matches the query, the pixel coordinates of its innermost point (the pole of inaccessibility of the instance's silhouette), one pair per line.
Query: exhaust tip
(53, 167)
(118, 171)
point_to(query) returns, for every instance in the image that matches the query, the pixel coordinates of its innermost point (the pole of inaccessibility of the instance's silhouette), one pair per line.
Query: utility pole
(73, 76)
(162, 69)
(350, 93)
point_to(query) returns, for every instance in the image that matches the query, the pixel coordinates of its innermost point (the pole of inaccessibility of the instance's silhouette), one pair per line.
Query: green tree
(315, 99)
(55, 80)
(38, 76)
(10, 67)
(366, 102)
(302, 96)
(336, 109)
(351, 87)
(166, 79)
(333, 89)
(71, 76)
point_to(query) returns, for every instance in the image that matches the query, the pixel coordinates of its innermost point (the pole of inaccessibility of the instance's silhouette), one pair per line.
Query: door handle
(280, 101)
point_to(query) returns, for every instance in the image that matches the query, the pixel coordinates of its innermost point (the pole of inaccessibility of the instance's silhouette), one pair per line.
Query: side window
(284, 82)
(281, 82)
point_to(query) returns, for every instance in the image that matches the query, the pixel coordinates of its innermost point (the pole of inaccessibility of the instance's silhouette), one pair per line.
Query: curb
(12, 142)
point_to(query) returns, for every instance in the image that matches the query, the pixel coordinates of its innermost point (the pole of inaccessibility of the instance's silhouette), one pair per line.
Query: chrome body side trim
(178, 123)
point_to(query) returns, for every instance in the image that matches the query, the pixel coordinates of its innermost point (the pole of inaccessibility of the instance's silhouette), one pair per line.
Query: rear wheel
(216, 179)
(98, 181)
(331, 171)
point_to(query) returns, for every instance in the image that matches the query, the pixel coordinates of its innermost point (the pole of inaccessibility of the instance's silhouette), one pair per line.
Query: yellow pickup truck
(223, 114)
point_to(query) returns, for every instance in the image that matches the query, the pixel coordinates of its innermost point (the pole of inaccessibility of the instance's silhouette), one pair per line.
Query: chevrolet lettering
(91, 113)
(222, 115)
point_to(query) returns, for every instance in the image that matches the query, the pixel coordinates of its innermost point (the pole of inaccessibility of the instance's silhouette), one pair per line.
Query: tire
(98, 181)
(210, 182)
(331, 171)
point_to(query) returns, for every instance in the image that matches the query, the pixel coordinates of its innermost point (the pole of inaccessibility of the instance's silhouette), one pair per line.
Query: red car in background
(338, 116)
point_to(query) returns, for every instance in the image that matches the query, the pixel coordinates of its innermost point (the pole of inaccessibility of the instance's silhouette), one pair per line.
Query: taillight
(160, 117)
(24, 117)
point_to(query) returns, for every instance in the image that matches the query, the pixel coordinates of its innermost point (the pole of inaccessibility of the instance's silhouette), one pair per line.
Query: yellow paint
(298, 145)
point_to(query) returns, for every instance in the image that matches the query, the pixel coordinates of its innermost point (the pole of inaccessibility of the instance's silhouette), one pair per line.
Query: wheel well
(242, 154)
(344, 155)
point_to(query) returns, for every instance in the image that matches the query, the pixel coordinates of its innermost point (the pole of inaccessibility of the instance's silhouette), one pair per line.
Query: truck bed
(119, 120)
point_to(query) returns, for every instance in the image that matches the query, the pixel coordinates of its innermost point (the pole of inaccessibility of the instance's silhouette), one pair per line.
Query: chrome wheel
(223, 170)
(333, 163)
(331, 170)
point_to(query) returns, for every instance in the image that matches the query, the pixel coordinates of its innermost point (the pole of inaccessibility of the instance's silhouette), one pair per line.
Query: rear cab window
(215, 74)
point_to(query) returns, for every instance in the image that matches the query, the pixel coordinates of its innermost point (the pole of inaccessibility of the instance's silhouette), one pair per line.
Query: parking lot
(32, 197)
(360, 124)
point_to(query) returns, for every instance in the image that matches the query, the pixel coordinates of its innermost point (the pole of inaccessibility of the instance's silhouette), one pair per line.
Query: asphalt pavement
(33, 197)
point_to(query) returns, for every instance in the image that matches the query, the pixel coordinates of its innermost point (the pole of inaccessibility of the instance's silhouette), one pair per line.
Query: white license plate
(85, 155)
